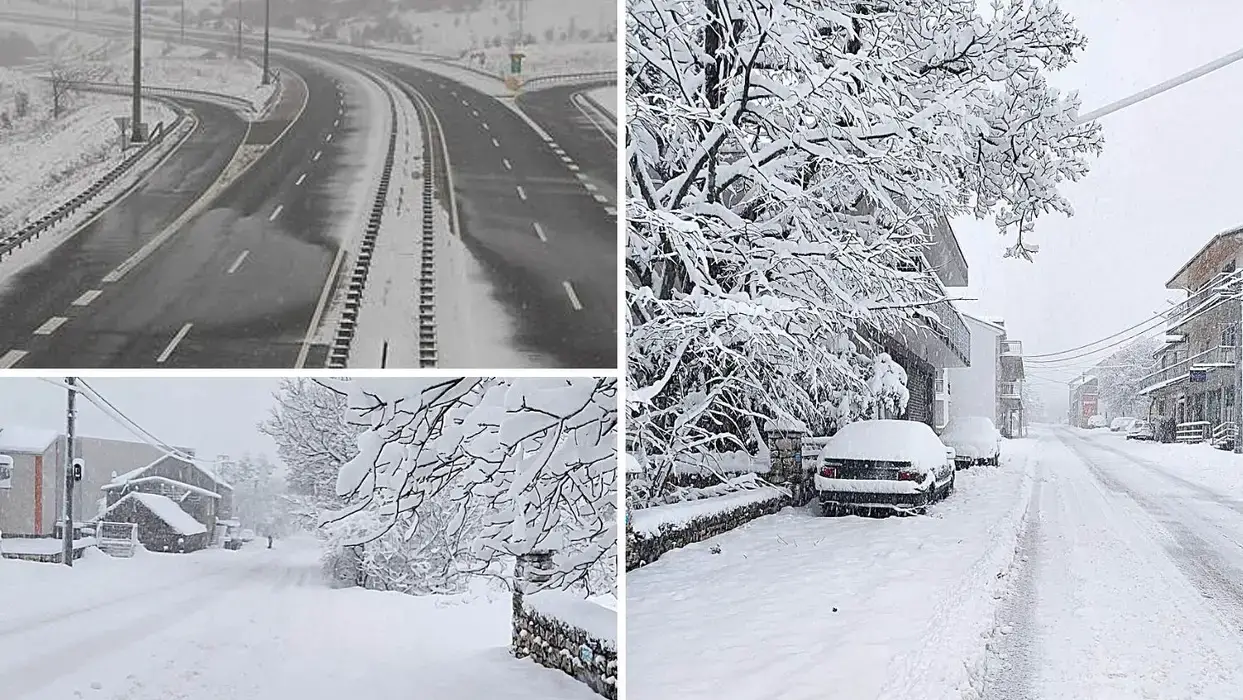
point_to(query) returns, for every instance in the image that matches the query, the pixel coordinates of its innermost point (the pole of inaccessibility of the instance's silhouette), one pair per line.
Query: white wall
(973, 390)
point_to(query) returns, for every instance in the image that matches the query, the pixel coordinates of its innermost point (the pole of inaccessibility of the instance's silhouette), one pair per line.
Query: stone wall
(643, 549)
(560, 645)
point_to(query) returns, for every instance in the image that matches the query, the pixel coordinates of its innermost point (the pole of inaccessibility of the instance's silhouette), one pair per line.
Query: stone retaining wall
(643, 549)
(556, 644)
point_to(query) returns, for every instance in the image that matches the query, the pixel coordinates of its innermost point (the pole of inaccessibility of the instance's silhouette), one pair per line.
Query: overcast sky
(1168, 180)
(212, 416)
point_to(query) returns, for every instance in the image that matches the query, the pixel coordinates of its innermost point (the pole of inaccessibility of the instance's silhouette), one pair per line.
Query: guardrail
(26, 234)
(601, 76)
(158, 90)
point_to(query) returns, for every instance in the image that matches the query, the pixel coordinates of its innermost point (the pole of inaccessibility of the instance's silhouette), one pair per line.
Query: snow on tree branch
(788, 162)
(538, 455)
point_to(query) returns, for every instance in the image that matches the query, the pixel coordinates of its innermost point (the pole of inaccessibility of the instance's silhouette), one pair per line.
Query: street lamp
(267, 19)
(136, 117)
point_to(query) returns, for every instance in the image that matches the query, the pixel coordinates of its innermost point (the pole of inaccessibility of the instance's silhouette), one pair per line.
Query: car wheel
(831, 510)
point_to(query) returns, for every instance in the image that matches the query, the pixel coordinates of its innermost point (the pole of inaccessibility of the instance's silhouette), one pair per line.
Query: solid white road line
(505, 161)
(238, 263)
(87, 297)
(522, 193)
(569, 291)
(11, 358)
(317, 155)
(172, 344)
(300, 179)
(539, 231)
(276, 212)
(49, 326)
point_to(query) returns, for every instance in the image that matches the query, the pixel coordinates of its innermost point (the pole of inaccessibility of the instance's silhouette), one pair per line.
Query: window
(6, 472)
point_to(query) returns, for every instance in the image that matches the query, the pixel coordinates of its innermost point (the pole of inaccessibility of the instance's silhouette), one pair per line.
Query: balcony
(1218, 289)
(1220, 357)
(1011, 391)
(1011, 348)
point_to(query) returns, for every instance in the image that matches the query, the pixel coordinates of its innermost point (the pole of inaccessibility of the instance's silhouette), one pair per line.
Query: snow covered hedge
(574, 635)
(650, 532)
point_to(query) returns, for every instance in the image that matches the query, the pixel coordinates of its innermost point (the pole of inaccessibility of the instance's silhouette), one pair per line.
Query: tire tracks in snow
(1010, 667)
(1218, 581)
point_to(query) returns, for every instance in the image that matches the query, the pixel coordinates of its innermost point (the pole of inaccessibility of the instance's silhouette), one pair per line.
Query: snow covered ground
(799, 606)
(1084, 567)
(255, 624)
(606, 97)
(548, 59)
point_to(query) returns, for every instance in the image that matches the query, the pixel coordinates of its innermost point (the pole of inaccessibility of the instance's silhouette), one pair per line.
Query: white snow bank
(857, 608)
(40, 545)
(165, 509)
(605, 97)
(648, 521)
(737, 462)
(591, 617)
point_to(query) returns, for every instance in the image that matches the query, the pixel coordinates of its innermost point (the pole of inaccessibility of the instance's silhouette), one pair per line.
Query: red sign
(1089, 407)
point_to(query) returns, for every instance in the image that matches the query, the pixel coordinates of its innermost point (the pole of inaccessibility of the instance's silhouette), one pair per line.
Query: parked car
(1097, 422)
(975, 441)
(1120, 425)
(883, 464)
(1140, 430)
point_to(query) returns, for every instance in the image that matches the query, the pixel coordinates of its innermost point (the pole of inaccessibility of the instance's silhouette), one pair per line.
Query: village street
(254, 624)
(1085, 566)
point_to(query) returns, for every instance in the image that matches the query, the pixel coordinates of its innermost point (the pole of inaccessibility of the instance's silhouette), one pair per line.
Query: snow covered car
(975, 441)
(883, 464)
(1121, 425)
(1140, 430)
(1096, 422)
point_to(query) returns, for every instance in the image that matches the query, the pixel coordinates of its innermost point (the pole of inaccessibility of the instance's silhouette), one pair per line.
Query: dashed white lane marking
(49, 326)
(605, 200)
(329, 138)
(317, 155)
(505, 161)
(611, 211)
(238, 263)
(11, 358)
(485, 126)
(569, 291)
(172, 344)
(453, 92)
(301, 179)
(521, 192)
(465, 103)
(474, 113)
(87, 297)
(276, 212)
(496, 143)
(539, 231)
(337, 123)
(573, 168)
(590, 187)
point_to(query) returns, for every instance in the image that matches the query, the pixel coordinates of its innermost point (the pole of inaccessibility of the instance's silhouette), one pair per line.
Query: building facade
(190, 487)
(1084, 401)
(992, 386)
(1011, 418)
(1195, 383)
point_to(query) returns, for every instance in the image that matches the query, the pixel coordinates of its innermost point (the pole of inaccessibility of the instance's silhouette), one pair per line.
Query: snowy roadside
(605, 97)
(541, 60)
(1203, 465)
(796, 605)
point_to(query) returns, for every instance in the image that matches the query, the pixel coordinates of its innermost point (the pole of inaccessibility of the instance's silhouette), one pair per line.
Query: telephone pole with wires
(70, 469)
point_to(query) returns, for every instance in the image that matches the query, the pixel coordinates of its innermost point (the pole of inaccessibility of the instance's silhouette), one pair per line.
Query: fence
(117, 539)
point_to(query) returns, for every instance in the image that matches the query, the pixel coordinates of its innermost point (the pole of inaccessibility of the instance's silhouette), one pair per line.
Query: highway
(238, 286)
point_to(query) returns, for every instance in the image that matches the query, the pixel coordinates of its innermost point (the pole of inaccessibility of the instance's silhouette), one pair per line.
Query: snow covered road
(1131, 578)
(249, 625)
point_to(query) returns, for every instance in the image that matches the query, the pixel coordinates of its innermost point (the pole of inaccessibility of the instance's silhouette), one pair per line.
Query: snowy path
(249, 625)
(1132, 579)
(801, 607)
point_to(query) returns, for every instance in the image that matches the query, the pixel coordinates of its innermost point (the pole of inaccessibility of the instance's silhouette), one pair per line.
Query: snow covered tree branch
(788, 162)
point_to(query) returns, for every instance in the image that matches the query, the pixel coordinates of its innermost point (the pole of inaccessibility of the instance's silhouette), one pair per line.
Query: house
(162, 524)
(1084, 400)
(992, 386)
(32, 504)
(190, 487)
(1194, 383)
(931, 347)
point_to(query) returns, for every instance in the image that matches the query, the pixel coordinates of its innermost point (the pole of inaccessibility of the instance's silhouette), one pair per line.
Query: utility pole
(1238, 370)
(136, 117)
(267, 20)
(239, 30)
(70, 435)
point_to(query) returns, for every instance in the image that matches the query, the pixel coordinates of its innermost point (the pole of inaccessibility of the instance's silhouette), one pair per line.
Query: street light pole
(267, 20)
(70, 435)
(239, 29)
(183, 21)
(1238, 371)
(136, 116)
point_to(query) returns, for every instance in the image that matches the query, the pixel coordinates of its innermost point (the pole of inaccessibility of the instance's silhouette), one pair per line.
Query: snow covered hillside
(251, 625)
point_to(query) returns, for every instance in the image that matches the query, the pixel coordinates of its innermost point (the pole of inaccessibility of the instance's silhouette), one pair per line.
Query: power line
(1161, 87)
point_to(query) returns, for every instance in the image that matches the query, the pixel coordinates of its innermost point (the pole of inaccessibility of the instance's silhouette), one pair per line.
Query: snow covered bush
(537, 456)
(787, 164)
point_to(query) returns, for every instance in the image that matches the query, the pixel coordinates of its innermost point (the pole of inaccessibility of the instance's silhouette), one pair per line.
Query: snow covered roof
(987, 323)
(160, 479)
(26, 440)
(1178, 281)
(135, 473)
(165, 509)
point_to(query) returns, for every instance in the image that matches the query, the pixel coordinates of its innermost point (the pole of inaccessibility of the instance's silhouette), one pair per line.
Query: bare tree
(65, 78)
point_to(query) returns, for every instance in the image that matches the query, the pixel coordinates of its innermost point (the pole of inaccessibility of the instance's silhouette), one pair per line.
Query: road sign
(1198, 375)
